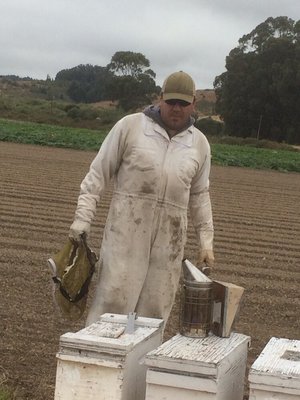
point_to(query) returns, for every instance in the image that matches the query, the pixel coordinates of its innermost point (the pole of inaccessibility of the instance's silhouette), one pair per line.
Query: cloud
(38, 37)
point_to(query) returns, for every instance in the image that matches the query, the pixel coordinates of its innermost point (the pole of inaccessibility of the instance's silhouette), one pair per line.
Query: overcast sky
(39, 37)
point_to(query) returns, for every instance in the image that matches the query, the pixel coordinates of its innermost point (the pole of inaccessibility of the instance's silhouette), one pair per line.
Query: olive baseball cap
(179, 85)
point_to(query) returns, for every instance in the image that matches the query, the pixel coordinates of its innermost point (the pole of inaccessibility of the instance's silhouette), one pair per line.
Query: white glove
(206, 261)
(206, 257)
(78, 228)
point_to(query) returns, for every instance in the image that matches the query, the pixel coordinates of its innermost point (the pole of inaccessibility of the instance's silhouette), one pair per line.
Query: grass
(242, 155)
(25, 107)
(5, 394)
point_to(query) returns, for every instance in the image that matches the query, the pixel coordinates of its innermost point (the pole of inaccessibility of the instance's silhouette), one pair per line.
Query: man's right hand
(78, 228)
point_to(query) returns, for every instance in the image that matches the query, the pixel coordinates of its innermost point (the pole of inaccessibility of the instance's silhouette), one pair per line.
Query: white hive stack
(102, 361)
(210, 368)
(276, 372)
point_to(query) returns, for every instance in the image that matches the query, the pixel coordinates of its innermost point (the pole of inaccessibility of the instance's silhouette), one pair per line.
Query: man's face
(175, 114)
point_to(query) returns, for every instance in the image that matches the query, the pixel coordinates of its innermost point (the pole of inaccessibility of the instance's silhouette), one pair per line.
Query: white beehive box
(276, 372)
(102, 361)
(210, 368)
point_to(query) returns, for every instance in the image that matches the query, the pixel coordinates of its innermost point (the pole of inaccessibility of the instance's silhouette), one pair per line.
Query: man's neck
(171, 133)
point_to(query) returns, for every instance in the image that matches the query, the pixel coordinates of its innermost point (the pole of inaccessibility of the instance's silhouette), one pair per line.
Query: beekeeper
(160, 164)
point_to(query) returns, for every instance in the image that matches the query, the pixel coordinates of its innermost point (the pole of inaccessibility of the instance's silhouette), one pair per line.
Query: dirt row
(257, 246)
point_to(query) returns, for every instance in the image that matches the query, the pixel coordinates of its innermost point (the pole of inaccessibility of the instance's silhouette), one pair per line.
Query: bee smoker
(207, 305)
(196, 302)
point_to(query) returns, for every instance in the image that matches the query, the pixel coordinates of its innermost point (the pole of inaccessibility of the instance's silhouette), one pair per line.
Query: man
(160, 164)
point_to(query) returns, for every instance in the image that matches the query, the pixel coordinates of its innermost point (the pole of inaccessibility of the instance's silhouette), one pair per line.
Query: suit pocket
(143, 159)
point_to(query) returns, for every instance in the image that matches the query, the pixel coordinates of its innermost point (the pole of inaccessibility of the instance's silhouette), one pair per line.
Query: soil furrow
(257, 246)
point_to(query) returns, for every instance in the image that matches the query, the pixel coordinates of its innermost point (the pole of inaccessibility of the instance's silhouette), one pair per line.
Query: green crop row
(258, 158)
(86, 139)
(50, 135)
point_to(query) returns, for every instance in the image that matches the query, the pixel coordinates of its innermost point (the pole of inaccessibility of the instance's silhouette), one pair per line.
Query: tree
(86, 83)
(128, 63)
(261, 87)
(127, 78)
(133, 82)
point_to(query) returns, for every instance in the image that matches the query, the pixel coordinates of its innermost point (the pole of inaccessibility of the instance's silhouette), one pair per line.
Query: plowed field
(257, 246)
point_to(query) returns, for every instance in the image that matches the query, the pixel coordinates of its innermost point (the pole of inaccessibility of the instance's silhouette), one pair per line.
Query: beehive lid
(278, 364)
(194, 355)
(108, 335)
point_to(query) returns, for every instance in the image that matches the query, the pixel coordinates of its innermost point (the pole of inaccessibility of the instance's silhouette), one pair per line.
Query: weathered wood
(103, 362)
(276, 372)
(210, 368)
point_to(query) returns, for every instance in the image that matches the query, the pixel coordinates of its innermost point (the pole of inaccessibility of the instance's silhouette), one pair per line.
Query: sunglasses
(181, 103)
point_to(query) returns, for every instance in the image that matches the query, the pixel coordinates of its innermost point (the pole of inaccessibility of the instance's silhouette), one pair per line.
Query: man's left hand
(206, 257)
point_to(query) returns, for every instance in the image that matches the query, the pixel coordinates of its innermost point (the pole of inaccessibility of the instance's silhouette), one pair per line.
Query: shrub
(4, 106)
(110, 117)
(210, 126)
(73, 111)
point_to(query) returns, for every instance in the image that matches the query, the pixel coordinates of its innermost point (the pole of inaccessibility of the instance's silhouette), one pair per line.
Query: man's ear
(194, 104)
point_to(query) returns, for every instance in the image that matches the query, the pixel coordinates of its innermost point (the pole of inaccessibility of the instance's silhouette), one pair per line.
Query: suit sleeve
(102, 169)
(200, 204)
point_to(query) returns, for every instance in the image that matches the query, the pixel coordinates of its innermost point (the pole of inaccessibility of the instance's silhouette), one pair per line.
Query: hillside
(47, 101)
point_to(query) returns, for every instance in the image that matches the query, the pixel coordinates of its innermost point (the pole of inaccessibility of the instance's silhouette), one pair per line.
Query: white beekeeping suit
(156, 180)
